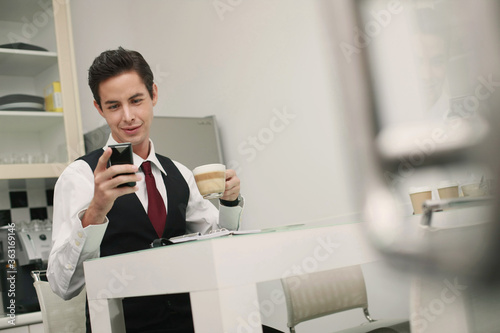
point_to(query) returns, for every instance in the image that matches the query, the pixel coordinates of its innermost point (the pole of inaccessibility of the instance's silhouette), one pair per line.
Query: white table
(220, 274)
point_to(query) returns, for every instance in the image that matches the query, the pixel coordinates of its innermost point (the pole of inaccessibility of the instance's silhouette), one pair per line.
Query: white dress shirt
(440, 110)
(72, 244)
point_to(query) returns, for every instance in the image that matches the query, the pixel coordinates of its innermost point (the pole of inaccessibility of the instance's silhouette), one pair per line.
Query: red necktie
(156, 207)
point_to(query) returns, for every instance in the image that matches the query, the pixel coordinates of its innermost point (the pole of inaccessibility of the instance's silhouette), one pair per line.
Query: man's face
(128, 109)
(432, 61)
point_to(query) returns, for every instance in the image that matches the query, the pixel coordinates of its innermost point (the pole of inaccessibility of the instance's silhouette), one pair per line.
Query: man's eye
(113, 107)
(136, 101)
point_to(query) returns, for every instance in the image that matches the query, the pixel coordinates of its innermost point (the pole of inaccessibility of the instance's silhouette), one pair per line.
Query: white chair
(318, 294)
(58, 315)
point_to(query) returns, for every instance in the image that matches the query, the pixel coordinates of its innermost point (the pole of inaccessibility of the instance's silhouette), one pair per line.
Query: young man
(432, 47)
(94, 217)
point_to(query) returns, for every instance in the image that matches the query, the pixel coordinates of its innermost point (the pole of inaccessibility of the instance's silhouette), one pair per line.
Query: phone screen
(121, 154)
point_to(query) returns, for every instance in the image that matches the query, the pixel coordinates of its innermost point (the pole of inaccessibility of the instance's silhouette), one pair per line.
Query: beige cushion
(321, 293)
(59, 315)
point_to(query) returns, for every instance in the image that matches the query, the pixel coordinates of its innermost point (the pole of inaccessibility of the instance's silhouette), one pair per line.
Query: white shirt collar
(137, 159)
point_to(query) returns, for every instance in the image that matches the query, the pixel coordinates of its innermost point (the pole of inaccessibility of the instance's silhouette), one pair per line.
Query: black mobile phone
(122, 154)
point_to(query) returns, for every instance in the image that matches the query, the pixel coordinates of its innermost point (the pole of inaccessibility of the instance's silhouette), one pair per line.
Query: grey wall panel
(191, 141)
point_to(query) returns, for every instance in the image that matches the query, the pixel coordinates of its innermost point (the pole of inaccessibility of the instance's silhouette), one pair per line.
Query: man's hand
(232, 186)
(106, 188)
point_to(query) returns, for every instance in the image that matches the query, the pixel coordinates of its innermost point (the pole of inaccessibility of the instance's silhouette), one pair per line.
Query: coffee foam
(209, 168)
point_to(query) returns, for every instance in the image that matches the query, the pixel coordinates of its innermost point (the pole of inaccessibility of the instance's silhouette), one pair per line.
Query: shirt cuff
(94, 233)
(229, 217)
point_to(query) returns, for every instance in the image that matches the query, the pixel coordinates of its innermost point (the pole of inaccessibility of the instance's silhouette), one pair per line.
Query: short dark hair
(114, 62)
(433, 22)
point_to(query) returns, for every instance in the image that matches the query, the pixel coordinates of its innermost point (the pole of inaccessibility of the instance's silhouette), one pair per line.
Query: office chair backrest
(59, 315)
(319, 294)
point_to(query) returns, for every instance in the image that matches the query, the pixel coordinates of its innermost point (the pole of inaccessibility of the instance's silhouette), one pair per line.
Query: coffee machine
(32, 248)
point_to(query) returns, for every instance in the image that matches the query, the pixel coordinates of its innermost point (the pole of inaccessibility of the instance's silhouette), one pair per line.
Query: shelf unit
(54, 134)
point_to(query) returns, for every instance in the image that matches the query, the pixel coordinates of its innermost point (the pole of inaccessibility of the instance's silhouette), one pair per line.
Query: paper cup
(448, 190)
(473, 190)
(418, 195)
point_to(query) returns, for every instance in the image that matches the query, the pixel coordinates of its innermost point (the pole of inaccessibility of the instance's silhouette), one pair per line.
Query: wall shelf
(19, 171)
(28, 121)
(15, 62)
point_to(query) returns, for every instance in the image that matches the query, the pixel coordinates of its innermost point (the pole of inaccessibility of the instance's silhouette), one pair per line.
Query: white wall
(97, 26)
(266, 70)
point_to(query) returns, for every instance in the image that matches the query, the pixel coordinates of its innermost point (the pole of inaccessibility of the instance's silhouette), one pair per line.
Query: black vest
(129, 229)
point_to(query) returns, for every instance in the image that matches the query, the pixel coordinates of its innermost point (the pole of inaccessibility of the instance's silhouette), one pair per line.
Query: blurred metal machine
(31, 250)
(420, 83)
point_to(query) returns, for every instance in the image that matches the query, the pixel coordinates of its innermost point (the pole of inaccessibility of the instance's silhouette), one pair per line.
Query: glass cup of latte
(211, 180)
